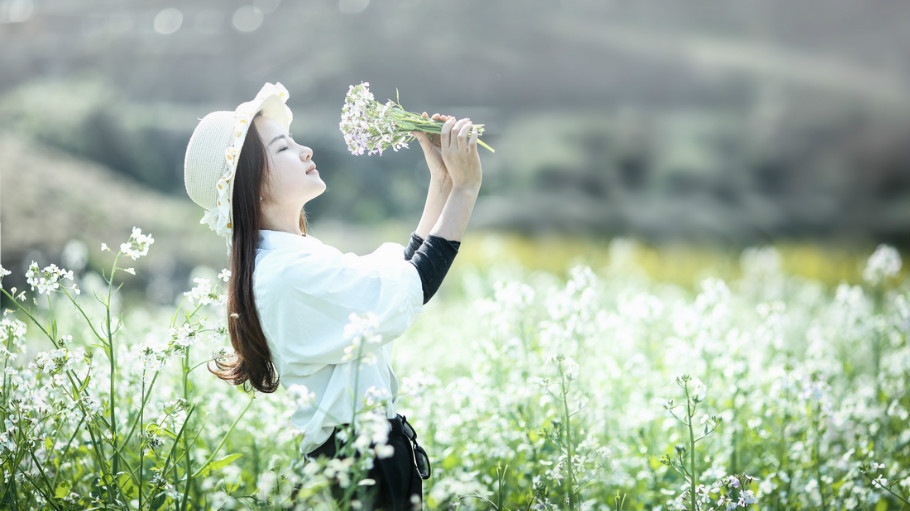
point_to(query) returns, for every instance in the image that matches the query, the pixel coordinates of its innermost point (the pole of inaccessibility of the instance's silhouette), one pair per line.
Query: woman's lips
(312, 171)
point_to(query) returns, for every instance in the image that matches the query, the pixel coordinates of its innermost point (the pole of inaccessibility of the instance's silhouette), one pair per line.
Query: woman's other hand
(432, 150)
(458, 148)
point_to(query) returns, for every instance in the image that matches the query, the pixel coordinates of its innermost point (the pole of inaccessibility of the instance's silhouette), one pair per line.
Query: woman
(290, 296)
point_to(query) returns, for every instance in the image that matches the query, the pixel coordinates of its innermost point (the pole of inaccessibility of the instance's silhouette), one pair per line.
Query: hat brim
(274, 108)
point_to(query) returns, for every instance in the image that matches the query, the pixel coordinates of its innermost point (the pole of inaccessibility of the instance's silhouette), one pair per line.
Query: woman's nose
(306, 153)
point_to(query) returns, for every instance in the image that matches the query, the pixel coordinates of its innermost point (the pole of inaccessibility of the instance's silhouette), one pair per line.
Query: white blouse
(305, 292)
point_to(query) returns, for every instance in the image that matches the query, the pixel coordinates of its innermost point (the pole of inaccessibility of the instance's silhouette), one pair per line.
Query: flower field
(603, 390)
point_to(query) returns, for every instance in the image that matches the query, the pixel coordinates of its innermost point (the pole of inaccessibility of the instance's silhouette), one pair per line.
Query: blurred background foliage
(707, 125)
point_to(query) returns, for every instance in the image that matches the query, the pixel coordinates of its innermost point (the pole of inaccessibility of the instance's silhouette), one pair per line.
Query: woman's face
(291, 178)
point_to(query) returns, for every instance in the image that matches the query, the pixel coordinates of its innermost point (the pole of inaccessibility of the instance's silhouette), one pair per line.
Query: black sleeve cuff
(412, 247)
(433, 259)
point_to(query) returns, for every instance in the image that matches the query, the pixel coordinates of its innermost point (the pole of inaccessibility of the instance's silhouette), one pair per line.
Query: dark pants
(396, 477)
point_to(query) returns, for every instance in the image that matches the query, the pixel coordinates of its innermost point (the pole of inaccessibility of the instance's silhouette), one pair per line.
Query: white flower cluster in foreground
(534, 390)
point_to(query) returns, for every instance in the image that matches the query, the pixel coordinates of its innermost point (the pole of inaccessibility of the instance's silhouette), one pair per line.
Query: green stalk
(141, 450)
(356, 381)
(170, 454)
(186, 447)
(351, 489)
(115, 460)
(223, 439)
(410, 121)
(138, 419)
(46, 480)
(84, 315)
(35, 485)
(67, 448)
(6, 381)
(887, 489)
(570, 448)
(818, 469)
(12, 476)
(690, 412)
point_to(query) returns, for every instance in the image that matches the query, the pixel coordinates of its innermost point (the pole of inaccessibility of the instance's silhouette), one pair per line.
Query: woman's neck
(284, 220)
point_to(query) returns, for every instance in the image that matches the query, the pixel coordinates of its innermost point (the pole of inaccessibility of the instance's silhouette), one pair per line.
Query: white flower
(362, 329)
(749, 497)
(224, 275)
(570, 369)
(48, 279)
(375, 395)
(302, 395)
(203, 294)
(53, 361)
(370, 127)
(384, 451)
(266, 483)
(182, 336)
(697, 390)
(138, 244)
(883, 264)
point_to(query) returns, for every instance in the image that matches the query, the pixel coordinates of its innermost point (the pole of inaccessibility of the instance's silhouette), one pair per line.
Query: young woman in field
(290, 296)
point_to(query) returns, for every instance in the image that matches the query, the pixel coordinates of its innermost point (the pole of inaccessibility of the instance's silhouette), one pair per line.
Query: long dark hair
(252, 363)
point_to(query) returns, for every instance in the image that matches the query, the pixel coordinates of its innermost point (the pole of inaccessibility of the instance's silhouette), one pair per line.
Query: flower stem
(690, 413)
(43, 474)
(141, 450)
(570, 448)
(115, 459)
(223, 439)
(818, 471)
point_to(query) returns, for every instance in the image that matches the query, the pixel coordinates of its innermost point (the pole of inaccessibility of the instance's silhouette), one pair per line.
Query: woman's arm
(437, 194)
(432, 253)
(440, 182)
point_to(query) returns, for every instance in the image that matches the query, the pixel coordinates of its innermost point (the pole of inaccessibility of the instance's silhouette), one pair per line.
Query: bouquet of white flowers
(371, 127)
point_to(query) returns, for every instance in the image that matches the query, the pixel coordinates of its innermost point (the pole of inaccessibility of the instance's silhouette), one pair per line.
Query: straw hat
(213, 151)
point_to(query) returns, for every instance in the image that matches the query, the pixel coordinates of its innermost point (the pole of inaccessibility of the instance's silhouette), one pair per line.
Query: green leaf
(223, 462)
(220, 463)
(126, 484)
(881, 505)
(450, 461)
(63, 489)
(48, 443)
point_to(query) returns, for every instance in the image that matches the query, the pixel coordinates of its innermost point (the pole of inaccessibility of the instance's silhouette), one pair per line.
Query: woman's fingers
(463, 132)
(423, 139)
(472, 144)
(455, 141)
(455, 134)
(445, 135)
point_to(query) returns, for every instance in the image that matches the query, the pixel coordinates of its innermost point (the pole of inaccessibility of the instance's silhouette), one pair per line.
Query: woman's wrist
(441, 181)
(453, 220)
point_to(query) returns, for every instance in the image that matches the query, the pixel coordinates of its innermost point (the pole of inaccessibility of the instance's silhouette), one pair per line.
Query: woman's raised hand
(458, 147)
(431, 149)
